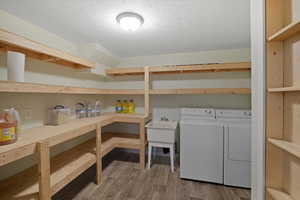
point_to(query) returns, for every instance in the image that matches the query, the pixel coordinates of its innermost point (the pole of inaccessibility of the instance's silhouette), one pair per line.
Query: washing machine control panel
(222, 113)
(199, 112)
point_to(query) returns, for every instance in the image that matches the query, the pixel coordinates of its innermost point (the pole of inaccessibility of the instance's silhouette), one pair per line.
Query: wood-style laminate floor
(123, 180)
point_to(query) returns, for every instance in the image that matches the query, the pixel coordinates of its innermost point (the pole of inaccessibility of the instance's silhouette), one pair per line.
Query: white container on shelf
(15, 66)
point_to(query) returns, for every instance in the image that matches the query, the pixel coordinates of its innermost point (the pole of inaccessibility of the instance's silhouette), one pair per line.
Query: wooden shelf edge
(119, 140)
(279, 195)
(18, 87)
(201, 91)
(284, 89)
(286, 32)
(214, 67)
(64, 168)
(14, 42)
(289, 147)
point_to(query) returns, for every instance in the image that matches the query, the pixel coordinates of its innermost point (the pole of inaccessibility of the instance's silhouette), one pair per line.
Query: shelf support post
(44, 171)
(98, 155)
(142, 143)
(147, 90)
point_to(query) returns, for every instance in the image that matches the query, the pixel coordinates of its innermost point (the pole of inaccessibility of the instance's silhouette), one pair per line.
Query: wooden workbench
(53, 174)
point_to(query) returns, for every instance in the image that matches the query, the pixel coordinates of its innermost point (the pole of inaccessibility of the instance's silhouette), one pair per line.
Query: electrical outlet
(27, 114)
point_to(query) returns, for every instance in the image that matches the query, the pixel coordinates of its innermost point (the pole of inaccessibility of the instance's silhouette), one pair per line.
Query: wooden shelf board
(119, 140)
(288, 31)
(13, 42)
(18, 87)
(284, 89)
(214, 67)
(279, 195)
(201, 91)
(64, 168)
(27, 140)
(289, 147)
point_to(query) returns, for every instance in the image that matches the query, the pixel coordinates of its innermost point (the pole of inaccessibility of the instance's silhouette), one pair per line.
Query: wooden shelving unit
(214, 67)
(286, 32)
(278, 195)
(284, 89)
(64, 168)
(201, 91)
(289, 147)
(282, 133)
(51, 175)
(224, 67)
(119, 140)
(17, 87)
(13, 42)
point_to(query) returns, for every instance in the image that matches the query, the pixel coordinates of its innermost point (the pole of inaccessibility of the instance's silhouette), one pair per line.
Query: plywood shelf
(28, 139)
(288, 31)
(17, 87)
(214, 67)
(64, 168)
(279, 195)
(284, 89)
(13, 42)
(119, 140)
(282, 100)
(201, 91)
(289, 147)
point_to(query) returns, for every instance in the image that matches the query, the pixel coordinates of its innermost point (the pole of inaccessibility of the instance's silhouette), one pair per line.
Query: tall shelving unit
(283, 99)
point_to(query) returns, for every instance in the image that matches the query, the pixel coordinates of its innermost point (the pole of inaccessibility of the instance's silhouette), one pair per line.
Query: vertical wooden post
(147, 112)
(44, 171)
(143, 143)
(98, 155)
(147, 90)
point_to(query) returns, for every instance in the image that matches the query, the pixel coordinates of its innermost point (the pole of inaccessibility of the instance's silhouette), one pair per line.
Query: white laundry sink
(161, 131)
(162, 124)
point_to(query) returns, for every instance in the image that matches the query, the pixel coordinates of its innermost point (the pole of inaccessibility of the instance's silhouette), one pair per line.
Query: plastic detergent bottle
(131, 106)
(125, 106)
(119, 107)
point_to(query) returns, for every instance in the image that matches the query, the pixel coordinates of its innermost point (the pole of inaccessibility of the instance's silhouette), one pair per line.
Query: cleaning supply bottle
(131, 106)
(125, 106)
(9, 126)
(119, 107)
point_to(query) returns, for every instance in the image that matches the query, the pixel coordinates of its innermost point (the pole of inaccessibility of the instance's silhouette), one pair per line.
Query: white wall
(258, 99)
(202, 57)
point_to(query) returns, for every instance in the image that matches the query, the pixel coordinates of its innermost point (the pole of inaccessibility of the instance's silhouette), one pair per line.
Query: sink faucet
(164, 118)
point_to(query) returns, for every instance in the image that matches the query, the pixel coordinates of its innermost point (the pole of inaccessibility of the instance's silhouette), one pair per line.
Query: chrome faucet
(164, 118)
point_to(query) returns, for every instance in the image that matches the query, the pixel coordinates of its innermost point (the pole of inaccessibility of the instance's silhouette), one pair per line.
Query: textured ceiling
(171, 26)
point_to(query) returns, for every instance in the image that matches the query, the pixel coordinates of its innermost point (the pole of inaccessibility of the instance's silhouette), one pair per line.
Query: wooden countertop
(27, 140)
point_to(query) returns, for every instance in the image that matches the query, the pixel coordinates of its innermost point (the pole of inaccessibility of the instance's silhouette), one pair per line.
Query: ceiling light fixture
(130, 21)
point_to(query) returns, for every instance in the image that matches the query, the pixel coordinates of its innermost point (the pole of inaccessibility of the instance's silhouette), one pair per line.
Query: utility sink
(161, 131)
(162, 124)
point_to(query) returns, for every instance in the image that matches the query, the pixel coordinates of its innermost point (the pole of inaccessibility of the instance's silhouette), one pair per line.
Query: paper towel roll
(15, 66)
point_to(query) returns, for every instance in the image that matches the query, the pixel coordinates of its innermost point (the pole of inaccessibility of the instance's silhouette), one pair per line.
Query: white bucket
(15, 66)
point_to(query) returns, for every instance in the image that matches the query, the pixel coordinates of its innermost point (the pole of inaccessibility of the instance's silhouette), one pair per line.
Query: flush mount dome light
(130, 21)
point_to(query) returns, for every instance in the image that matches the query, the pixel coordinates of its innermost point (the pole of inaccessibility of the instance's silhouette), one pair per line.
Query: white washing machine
(201, 145)
(237, 146)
